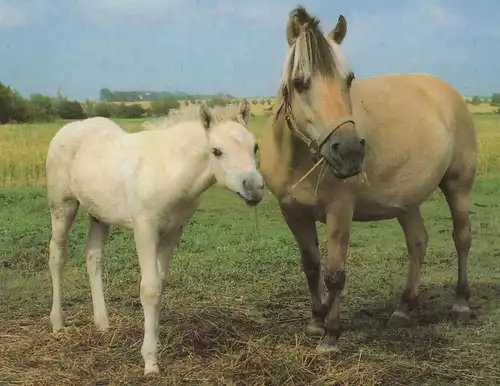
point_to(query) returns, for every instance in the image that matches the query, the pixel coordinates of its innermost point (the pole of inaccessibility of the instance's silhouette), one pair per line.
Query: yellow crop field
(23, 147)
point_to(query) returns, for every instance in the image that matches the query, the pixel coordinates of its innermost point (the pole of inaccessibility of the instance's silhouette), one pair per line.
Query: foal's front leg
(147, 243)
(167, 243)
(338, 221)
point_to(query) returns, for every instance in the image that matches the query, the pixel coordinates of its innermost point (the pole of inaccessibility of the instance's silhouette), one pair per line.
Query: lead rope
(309, 172)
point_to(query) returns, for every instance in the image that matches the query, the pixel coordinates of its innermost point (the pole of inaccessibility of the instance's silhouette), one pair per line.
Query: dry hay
(228, 342)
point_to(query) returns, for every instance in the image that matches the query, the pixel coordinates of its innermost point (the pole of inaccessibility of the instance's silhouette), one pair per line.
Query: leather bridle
(314, 144)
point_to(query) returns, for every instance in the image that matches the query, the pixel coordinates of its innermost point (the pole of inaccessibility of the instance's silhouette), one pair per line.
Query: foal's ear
(338, 32)
(206, 116)
(245, 111)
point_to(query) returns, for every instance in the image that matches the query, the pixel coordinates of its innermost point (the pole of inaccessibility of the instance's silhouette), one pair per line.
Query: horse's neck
(292, 150)
(203, 175)
(203, 181)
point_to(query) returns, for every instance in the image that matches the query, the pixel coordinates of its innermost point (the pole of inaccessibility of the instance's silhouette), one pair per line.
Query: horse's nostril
(245, 183)
(362, 141)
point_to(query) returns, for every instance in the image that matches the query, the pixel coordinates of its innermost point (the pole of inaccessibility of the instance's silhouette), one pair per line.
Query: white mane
(190, 113)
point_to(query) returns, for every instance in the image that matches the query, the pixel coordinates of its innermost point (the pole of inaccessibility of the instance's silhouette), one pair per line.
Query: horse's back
(68, 143)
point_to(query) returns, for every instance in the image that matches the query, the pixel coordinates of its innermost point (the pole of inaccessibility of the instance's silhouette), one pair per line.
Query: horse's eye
(256, 148)
(216, 152)
(301, 84)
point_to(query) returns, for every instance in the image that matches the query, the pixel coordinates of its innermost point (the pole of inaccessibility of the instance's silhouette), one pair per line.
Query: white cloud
(441, 15)
(133, 10)
(15, 13)
(183, 10)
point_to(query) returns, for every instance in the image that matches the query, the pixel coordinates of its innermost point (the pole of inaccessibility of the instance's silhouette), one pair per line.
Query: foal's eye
(256, 148)
(216, 152)
(301, 84)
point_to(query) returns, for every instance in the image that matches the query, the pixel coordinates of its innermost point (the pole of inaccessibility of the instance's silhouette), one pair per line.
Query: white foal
(150, 181)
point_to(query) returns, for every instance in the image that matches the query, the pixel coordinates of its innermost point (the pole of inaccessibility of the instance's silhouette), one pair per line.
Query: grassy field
(235, 309)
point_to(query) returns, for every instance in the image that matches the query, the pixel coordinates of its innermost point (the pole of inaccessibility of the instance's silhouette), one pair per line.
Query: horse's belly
(373, 204)
(107, 206)
(102, 195)
(376, 211)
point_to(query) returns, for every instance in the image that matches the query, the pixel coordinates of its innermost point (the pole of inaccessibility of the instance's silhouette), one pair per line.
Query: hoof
(399, 319)
(315, 328)
(325, 348)
(57, 322)
(151, 369)
(102, 326)
(461, 313)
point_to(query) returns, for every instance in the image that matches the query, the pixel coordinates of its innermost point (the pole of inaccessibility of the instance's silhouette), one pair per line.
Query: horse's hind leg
(97, 236)
(457, 192)
(63, 215)
(416, 242)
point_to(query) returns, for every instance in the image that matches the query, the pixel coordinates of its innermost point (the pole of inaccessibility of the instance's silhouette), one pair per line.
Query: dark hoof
(315, 328)
(461, 313)
(399, 319)
(326, 348)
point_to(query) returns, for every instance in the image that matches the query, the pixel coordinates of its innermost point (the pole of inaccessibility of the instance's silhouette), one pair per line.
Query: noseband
(314, 144)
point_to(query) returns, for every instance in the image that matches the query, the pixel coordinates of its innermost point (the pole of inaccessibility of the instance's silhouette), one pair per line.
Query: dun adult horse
(149, 181)
(409, 133)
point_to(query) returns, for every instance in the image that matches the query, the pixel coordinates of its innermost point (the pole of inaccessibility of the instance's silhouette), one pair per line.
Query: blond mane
(190, 113)
(310, 51)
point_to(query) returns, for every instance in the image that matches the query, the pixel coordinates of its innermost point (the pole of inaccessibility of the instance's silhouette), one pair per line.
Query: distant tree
(269, 102)
(161, 107)
(130, 111)
(475, 100)
(40, 108)
(67, 109)
(13, 107)
(254, 102)
(105, 94)
(100, 109)
(217, 102)
(19, 108)
(495, 99)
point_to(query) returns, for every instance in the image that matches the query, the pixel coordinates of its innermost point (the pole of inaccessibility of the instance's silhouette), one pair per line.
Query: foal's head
(233, 150)
(315, 93)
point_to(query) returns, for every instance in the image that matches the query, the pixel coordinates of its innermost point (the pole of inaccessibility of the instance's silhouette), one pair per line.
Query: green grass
(235, 309)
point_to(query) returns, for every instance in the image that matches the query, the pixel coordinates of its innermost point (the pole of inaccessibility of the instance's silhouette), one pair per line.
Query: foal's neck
(204, 180)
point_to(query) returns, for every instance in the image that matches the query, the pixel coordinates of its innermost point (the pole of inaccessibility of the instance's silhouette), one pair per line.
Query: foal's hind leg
(62, 218)
(457, 192)
(416, 242)
(98, 233)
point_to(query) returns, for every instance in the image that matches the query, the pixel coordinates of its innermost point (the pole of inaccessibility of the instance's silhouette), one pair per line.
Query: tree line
(42, 108)
(494, 100)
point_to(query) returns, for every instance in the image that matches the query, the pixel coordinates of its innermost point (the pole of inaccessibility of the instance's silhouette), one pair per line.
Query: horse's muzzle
(344, 153)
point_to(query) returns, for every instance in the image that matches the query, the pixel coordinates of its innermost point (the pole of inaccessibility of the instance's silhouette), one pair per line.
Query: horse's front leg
(338, 221)
(303, 227)
(148, 244)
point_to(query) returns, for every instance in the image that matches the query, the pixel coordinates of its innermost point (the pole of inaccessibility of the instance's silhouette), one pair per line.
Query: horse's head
(234, 150)
(315, 94)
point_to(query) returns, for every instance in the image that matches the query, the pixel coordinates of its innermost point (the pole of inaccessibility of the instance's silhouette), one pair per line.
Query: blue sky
(235, 46)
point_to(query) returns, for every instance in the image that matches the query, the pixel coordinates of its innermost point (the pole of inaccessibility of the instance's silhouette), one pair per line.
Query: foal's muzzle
(252, 190)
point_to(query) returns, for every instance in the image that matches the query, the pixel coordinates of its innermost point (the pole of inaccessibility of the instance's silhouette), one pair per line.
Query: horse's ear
(245, 111)
(338, 32)
(206, 116)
